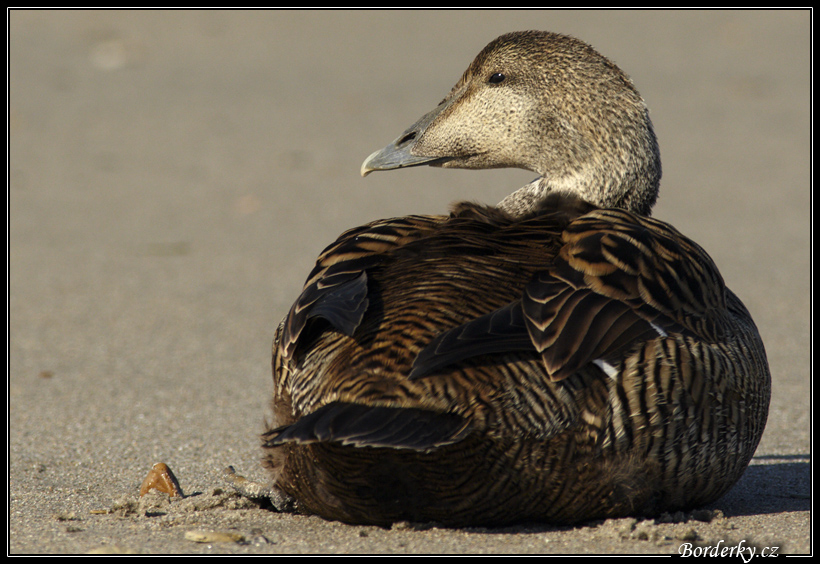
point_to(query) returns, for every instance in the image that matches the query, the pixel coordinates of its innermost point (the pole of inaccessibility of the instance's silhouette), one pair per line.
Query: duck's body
(546, 359)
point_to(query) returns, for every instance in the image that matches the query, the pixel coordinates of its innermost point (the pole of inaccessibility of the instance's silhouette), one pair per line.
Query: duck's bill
(399, 153)
(394, 156)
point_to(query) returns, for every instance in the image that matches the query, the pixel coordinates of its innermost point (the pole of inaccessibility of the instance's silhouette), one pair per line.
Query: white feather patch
(657, 328)
(610, 370)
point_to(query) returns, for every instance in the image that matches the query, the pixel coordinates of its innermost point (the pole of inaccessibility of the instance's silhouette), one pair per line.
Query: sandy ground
(174, 174)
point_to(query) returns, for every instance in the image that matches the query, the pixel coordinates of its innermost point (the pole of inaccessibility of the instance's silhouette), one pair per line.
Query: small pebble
(66, 516)
(244, 486)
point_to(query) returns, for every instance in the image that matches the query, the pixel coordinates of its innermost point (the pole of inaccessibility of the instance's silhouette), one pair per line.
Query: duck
(559, 357)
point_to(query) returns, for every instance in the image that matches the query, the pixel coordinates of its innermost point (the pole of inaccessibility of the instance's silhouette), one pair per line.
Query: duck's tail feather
(373, 426)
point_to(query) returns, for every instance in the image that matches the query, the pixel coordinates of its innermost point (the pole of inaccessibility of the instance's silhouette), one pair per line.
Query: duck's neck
(532, 197)
(526, 199)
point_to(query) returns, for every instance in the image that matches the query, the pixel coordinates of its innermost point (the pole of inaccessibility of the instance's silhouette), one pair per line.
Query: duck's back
(485, 369)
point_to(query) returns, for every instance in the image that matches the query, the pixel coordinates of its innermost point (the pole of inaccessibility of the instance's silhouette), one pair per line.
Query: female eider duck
(559, 357)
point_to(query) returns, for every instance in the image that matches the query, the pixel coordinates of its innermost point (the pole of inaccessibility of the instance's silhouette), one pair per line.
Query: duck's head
(547, 103)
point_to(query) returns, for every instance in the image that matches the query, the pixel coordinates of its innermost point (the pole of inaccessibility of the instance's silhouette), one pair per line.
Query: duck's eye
(497, 77)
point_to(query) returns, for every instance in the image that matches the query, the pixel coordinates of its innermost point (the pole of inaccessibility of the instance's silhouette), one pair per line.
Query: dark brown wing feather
(619, 280)
(643, 261)
(336, 289)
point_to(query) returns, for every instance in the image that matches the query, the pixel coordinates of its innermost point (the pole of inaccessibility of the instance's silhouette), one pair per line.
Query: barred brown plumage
(559, 357)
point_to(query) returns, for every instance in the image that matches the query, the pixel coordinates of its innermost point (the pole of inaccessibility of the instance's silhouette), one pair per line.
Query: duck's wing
(619, 280)
(336, 289)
